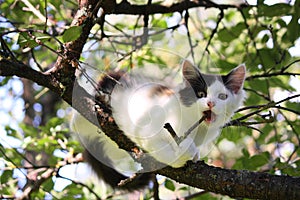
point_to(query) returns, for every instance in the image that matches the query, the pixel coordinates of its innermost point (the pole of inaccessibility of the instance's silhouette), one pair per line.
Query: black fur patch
(195, 85)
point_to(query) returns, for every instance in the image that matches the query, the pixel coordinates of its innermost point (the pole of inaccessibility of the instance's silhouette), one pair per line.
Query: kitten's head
(216, 96)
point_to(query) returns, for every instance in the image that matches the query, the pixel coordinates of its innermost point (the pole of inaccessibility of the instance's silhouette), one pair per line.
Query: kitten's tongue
(210, 116)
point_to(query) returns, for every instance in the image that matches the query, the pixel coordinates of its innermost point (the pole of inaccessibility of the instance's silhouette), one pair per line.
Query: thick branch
(235, 183)
(12, 68)
(126, 8)
(83, 102)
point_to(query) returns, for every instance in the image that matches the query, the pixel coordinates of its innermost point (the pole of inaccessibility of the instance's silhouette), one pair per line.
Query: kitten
(142, 106)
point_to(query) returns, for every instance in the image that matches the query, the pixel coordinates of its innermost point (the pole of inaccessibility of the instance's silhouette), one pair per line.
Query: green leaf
(259, 85)
(48, 185)
(28, 130)
(73, 190)
(225, 36)
(33, 40)
(25, 41)
(159, 23)
(238, 164)
(6, 175)
(184, 188)
(256, 161)
(170, 185)
(53, 122)
(293, 106)
(269, 56)
(264, 138)
(206, 196)
(72, 33)
(290, 170)
(229, 34)
(280, 9)
(280, 82)
(265, 38)
(293, 32)
(10, 131)
(233, 133)
(4, 80)
(252, 163)
(225, 66)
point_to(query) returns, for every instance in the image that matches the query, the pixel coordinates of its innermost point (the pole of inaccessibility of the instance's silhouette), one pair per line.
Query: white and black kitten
(142, 106)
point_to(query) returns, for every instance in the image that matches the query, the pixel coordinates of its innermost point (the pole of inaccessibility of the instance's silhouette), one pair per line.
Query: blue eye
(222, 96)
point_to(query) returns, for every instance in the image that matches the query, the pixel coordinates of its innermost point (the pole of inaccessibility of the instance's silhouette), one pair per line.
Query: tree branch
(61, 80)
(47, 174)
(235, 183)
(130, 9)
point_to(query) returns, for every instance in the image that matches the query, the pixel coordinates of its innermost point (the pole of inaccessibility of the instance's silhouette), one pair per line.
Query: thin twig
(177, 139)
(6, 49)
(287, 66)
(258, 93)
(37, 13)
(39, 42)
(260, 108)
(195, 125)
(91, 190)
(47, 174)
(35, 61)
(288, 98)
(155, 188)
(287, 109)
(266, 75)
(186, 20)
(220, 17)
(127, 180)
(46, 15)
(172, 132)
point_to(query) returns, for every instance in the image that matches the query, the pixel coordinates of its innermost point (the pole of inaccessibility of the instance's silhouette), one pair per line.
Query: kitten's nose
(210, 104)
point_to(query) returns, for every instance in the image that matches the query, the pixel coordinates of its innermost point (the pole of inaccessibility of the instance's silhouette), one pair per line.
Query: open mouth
(210, 116)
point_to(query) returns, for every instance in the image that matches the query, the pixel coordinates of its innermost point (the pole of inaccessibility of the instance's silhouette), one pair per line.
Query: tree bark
(61, 80)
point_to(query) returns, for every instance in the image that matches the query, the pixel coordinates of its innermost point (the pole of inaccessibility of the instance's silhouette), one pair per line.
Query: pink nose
(210, 104)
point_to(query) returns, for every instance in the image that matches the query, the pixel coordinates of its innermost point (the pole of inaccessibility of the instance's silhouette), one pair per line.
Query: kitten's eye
(222, 96)
(201, 94)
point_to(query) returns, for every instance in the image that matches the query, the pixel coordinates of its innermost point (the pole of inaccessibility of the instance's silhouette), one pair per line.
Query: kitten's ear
(190, 72)
(234, 81)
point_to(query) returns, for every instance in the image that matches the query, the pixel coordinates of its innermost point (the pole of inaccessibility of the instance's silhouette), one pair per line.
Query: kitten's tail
(112, 177)
(98, 145)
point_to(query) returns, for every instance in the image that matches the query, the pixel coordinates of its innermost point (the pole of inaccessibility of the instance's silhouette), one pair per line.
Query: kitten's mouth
(210, 116)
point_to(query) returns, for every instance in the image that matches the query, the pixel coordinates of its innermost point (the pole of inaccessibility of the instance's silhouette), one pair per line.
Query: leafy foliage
(263, 135)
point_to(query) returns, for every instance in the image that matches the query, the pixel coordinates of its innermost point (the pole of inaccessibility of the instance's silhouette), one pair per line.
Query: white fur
(142, 118)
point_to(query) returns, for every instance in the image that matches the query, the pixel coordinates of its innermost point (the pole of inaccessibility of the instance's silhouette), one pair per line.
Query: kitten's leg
(185, 151)
(196, 157)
